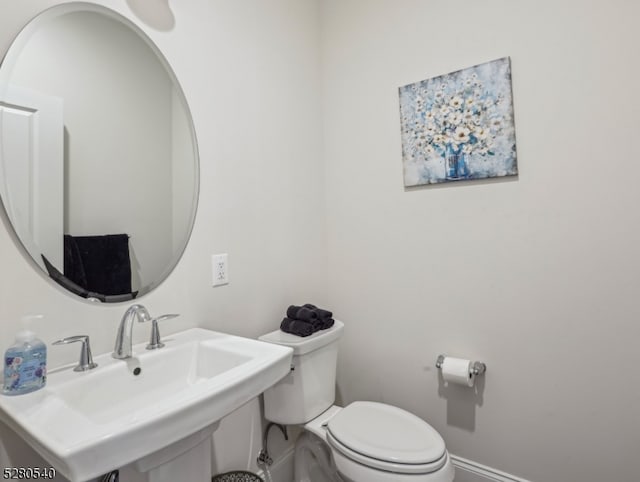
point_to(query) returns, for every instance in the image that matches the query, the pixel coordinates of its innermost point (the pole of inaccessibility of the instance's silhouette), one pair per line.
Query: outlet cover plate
(220, 269)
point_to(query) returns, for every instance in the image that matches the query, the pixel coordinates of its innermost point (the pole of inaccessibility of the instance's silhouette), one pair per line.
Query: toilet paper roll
(458, 371)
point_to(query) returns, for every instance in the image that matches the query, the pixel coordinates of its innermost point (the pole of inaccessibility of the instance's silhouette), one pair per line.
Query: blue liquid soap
(25, 365)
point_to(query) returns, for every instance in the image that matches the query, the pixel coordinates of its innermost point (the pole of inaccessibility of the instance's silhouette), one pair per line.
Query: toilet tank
(310, 387)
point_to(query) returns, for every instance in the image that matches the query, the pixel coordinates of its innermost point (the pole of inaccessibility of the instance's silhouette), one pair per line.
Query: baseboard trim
(476, 472)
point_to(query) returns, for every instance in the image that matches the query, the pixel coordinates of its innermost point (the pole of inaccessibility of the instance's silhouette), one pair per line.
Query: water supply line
(264, 460)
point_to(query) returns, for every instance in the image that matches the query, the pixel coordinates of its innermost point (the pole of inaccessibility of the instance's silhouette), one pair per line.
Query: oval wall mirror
(98, 155)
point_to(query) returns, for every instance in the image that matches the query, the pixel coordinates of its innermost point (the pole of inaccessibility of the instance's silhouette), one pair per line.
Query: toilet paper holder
(477, 368)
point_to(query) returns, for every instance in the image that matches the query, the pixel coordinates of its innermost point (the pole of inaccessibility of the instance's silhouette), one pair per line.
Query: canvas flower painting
(459, 126)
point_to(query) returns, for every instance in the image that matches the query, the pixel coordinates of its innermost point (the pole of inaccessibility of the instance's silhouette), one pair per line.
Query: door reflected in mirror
(97, 153)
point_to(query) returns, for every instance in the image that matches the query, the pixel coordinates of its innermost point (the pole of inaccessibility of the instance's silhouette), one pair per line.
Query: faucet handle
(155, 342)
(86, 360)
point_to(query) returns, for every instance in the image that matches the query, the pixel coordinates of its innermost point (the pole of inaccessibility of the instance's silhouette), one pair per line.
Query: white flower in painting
(455, 118)
(429, 150)
(467, 149)
(469, 102)
(456, 102)
(480, 132)
(430, 130)
(439, 139)
(461, 135)
(429, 116)
(444, 111)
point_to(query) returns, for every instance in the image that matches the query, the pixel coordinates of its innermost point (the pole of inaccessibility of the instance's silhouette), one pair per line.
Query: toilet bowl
(372, 442)
(312, 460)
(362, 442)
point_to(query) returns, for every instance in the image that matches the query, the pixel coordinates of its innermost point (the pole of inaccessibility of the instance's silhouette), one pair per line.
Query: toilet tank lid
(302, 345)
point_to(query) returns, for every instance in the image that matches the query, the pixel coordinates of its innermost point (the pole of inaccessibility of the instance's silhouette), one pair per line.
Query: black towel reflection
(99, 264)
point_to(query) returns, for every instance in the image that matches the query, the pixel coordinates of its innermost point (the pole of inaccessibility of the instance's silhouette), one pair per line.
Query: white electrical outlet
(220, 269)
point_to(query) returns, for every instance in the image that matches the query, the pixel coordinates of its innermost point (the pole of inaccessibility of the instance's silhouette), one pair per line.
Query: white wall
(250, 74)
(536, 275)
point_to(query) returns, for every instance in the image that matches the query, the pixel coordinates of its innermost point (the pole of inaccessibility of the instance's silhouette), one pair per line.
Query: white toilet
(363, 442)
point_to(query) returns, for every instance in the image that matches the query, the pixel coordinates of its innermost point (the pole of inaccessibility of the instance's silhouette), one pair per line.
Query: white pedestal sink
(154, 412)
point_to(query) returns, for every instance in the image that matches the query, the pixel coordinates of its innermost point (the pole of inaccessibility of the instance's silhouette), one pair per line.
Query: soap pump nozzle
(27, 334)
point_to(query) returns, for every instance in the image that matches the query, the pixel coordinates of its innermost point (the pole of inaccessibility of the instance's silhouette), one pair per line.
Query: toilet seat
(396, 468)
(386, 438)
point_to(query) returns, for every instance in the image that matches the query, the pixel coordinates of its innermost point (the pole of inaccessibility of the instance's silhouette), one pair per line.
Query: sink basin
(86, 424)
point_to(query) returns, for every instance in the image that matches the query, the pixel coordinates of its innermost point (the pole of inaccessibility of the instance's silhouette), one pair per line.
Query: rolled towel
(296, 327)
(319, 311)
(291, 311)
(306, 314)
(323, 323)
(301, 313)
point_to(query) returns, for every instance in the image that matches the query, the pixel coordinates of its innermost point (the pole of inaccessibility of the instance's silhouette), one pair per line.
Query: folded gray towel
(319, 311)
(323, 323)
(301, 313)
(307, 312)
(296, 327)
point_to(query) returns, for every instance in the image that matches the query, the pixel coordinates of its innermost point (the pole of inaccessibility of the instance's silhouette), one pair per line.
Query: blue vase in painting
(455, 163)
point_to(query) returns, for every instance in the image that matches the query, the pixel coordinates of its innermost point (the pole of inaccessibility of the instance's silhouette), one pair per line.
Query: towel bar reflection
(478, 368)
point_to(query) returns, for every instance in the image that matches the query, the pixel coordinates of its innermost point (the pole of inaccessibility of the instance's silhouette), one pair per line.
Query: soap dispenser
(25, 362)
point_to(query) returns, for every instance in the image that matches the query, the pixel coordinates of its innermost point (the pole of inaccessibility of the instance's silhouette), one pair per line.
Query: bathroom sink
(86, 424)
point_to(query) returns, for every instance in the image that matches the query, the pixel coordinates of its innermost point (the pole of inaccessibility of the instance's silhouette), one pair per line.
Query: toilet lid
(386, 433)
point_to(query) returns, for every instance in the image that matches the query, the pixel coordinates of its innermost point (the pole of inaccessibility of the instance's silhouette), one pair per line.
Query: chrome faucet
(124, 342)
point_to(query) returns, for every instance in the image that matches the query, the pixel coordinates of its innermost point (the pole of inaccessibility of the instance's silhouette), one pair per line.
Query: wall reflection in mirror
(98, 161)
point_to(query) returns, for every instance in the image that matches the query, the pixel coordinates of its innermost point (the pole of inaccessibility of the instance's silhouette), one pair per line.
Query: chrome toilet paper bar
(478, 368)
